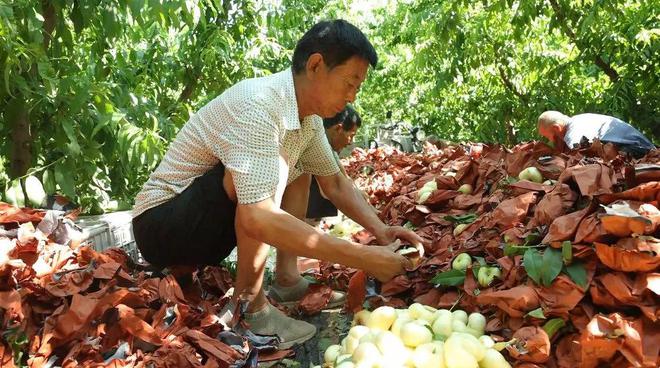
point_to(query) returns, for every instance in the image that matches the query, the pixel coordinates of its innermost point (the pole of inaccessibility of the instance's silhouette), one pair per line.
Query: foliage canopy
(92, 91)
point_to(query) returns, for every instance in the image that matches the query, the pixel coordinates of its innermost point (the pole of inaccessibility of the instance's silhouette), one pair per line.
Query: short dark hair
(337, 41)
(348, 118)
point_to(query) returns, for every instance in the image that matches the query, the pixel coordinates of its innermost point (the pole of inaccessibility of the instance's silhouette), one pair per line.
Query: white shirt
(606, 129)
(245, 128)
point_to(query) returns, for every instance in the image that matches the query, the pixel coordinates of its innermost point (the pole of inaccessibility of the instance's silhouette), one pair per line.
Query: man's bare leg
(289, 287)
(252, 255)
(261, 316)
(251, 262)
(294, 201)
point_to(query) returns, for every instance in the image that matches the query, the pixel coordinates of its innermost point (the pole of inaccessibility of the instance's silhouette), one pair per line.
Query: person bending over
(231, 178)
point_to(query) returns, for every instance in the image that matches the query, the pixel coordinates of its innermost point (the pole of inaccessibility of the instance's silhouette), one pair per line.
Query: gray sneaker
(291, 295)
(271, 321)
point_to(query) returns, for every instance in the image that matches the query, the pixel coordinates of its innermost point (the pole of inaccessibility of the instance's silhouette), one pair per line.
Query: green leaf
(49, 181)
(567, 251)
(64, 178)
(67, 36)
(38, 16)
(17, 340)
(578, 273)
(117, 117)
(552, 265)
(103, 121)
(511, 250)
(537, 313)
(408, 225)
(467, 218)
(552, 326)
(449, 278)
(532, 239)
(71, 134)
(6, 11)
(136, 7)
(533, 262)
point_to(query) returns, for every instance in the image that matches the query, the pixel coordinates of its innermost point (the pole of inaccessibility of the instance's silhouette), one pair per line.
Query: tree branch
(188, 90)
(607, 69)
(510, 86)
(508, 125)
(598, 60)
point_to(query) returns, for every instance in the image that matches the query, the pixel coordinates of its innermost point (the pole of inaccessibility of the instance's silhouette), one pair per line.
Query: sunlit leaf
(449, 278)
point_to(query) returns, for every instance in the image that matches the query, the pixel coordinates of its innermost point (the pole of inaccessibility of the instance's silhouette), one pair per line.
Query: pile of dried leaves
(65, 305)
(579, 260)
(579, 256)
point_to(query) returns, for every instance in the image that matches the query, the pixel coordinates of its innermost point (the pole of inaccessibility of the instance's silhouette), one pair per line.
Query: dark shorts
(318, 206)
(194, 228)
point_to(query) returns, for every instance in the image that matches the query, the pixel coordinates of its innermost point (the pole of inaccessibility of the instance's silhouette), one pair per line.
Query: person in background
(567, 132)
(340, 131)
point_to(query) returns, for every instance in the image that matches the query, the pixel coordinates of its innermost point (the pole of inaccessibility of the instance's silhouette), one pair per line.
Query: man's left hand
(392, 233)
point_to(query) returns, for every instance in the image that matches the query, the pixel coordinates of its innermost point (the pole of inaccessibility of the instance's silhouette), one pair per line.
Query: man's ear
(557, 131)
(314, 64)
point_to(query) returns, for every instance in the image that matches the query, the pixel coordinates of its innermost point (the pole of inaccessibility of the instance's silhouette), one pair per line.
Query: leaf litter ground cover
(576, 256)
(66, 305)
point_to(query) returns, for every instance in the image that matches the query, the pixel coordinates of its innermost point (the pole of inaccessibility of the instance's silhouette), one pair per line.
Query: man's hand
(391, 233)
(348, 200)
(384, 263)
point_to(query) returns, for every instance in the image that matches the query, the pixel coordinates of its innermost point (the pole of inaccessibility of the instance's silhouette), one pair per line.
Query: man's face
(334, 88)
(546, 132)
(340, 138)
(553, 133)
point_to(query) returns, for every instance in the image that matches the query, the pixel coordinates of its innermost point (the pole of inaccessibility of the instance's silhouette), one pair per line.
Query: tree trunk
(21, 142)
(19, 119)
(50, 17)
(508, 125)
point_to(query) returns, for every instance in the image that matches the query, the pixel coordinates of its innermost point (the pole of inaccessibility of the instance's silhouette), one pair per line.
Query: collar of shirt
(291, 120)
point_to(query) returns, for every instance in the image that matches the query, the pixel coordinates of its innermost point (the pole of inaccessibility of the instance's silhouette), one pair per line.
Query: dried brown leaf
(357, 292)
(315, 299)
(630, 254)
(516, 302)
(532, 345)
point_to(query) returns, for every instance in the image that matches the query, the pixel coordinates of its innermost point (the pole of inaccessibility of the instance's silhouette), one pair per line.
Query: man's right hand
(384, 263)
